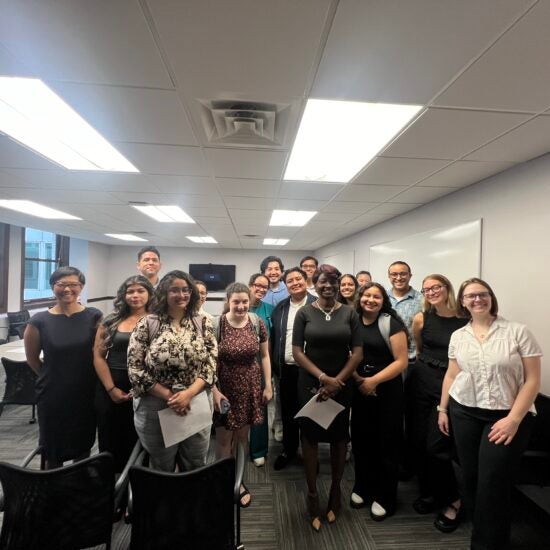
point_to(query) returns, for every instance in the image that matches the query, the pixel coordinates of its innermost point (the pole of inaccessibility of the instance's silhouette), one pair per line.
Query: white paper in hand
(178, 428)
(321, 412)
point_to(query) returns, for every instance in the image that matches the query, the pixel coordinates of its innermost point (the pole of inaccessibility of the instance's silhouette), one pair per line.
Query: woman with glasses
(171, 360)
(348, 287)
(432, 329)
(488, 392)
(259, 435)
(377, 409)
(66, 378)
(115, 414)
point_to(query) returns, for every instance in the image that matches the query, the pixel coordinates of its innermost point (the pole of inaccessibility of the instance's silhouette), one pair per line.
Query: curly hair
(122, 309)
(340, 298)
(386, 305)
(160, 302)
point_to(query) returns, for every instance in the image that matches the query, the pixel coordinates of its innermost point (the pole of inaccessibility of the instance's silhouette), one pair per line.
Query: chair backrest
(18, 320)
(20, 383)
(60, 509)
(191, 510)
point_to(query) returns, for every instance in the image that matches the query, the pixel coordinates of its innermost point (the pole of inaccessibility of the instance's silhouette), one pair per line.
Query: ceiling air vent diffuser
(234, 122)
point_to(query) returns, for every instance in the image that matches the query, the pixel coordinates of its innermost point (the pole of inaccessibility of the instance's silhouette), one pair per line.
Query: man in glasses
(309, 265)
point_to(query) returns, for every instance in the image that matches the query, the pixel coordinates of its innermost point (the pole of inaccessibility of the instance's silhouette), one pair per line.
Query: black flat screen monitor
(215, 276)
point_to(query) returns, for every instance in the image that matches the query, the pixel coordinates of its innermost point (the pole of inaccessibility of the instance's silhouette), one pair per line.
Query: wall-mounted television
(215, 276)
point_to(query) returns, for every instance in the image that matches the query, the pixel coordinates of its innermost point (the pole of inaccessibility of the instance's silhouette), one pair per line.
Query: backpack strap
(153, 325)
(255, 320)
(197, 321)
(384, 328)
(216, 322)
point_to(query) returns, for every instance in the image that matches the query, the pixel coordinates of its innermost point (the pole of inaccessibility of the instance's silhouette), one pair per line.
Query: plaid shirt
(407, 307)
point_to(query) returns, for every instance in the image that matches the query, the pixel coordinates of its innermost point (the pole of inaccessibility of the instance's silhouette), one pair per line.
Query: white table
(13, 350)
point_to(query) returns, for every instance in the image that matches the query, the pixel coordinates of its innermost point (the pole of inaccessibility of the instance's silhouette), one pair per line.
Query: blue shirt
(273, 297)
(407, 307)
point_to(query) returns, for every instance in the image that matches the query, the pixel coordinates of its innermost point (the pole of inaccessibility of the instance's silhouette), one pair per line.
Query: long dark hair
(160, 303)
(386, 305)
(340, 298)
(122, 309)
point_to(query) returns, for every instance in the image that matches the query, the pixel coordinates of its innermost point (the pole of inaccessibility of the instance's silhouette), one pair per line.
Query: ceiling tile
(298, 204)
(239, 215)
(369, 193)
(345, 206)
(248, 187)
(47, 179)
(514, 74)
(191, 185)
(249, 203)
(530, 140)
(451, 133)
(65, 196)
(398, 171)
(243, 163)
(462, 173)
(417, 195)
(307, 190)
(393, 208)
(13, 155)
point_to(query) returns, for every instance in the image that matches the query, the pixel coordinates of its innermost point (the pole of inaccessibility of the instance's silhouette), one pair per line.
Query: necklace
(327, 313)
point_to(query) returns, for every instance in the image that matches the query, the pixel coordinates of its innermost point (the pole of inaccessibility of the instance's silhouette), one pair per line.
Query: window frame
(4, 269)
(62, 244)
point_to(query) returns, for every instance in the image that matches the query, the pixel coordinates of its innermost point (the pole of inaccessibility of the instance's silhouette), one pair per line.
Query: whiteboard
(453, 251)
(344, 261)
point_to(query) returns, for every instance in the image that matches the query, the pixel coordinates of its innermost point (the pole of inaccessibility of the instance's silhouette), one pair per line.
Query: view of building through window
(41, 260)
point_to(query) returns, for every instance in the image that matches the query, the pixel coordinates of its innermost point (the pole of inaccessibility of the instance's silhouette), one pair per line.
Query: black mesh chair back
(61, 509)
(20, 385)
(18, 321)
(191, 510)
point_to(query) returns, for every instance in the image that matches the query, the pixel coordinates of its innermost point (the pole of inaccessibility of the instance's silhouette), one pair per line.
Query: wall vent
(234, 122)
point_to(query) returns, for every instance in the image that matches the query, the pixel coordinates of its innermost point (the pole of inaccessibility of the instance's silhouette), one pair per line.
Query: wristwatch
(441, 409)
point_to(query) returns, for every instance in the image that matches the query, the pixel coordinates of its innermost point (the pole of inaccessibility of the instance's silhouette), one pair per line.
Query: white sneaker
(259, 461)
(377, 512)
(356, 501)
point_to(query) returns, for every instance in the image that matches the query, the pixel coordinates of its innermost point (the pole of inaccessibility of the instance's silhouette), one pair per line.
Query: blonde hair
(451, 300)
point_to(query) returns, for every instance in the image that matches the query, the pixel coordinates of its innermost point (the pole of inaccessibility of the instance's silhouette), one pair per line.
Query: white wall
(515, 207)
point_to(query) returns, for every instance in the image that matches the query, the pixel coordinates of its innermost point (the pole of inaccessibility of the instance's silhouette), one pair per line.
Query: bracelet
(321, 376)
(109, 391)
(441, 410)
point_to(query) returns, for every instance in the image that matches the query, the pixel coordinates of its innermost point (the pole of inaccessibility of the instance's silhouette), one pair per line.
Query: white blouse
(491, 373)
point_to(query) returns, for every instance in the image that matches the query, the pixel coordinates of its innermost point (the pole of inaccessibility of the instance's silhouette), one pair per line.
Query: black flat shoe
(424, 505)
(445, 524)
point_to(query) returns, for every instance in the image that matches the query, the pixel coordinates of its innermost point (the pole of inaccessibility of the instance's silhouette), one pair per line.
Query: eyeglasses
(72, 286)
(183, 291)
(308, 266)
(260, 287)
(203, 294)
(402, 275)
(476, 295)
(435, 289)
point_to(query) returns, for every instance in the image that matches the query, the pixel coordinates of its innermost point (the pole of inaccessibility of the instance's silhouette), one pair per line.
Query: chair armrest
(123, 480)
(239, 471)
(140, 459)
(30, 456)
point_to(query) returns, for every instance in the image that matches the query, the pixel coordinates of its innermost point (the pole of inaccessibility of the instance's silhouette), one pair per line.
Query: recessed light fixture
(165, 214)
(203, 240)
(336, 139)
(32, 114)
(291, 218)
(275, 242)
(35, 209)
(125, 237)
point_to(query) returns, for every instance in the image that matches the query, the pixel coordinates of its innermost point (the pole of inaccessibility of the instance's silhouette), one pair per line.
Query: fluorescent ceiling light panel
(165, 214)
(125, 237)
(291, 218)
(35, 209)
(32, 114)
(336, 139)
(203, 240)
(275, 242)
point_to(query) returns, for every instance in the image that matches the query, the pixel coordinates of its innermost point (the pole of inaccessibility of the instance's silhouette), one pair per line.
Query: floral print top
(172, 357)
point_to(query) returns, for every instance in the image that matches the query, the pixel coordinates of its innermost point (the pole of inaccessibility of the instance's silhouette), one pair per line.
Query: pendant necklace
(326, 313)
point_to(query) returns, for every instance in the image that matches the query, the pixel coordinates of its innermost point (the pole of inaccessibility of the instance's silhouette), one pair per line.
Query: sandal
(334, 503)
(242, 494)
(313, 509)
(446, 524)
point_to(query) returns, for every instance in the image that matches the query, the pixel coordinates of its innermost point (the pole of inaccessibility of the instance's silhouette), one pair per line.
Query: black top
(436, 335)
(117, 358)
(375, 350)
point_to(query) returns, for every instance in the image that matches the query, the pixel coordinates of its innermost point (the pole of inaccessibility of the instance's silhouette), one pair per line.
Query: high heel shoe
(313, 509)
(334, 503)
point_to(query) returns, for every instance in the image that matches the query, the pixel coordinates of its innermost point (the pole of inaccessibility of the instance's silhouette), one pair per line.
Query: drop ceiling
(140, 71)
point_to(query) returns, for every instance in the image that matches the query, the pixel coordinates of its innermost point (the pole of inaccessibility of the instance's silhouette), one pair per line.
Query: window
(44, 252)
(4, 255)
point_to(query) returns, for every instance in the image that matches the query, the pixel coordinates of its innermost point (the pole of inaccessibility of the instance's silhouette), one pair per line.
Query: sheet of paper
(178, 428)
(321, 412)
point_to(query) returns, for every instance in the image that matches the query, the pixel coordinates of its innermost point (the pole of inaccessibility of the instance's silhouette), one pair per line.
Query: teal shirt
(263, 311)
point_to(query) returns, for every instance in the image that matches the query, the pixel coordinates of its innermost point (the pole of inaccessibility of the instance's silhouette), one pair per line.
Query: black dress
(115, 421)
(66, 383)
(327, 344)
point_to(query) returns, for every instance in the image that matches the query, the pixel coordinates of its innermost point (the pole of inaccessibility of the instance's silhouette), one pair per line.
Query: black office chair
(61, 509)
(20, 386)
(17, 322)
(191, 510)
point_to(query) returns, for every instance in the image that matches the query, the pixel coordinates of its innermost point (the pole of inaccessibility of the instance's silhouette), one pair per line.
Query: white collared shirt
(491, 373)
(293, 309)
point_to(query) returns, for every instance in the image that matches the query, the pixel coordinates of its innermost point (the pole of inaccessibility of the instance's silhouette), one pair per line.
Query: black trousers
(376, 438)
(290, 405)
(432, 450)
(488, 472)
